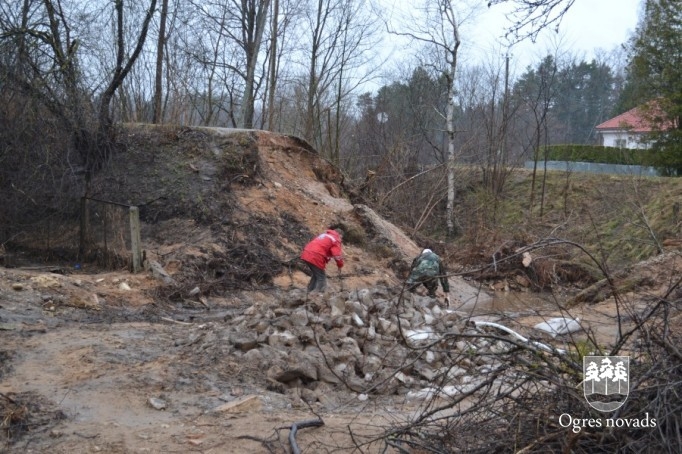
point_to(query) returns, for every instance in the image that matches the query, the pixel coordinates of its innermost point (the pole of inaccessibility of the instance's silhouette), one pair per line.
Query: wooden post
(135, 243)
(84, 229)
(105, 219)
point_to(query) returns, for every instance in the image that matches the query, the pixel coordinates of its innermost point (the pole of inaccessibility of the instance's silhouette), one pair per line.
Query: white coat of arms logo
(606, 381)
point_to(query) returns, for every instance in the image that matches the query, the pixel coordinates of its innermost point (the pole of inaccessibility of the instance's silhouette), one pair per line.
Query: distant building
(632, 128)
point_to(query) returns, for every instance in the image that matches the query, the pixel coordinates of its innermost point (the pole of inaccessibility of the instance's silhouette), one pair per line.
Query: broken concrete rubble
(369, 340)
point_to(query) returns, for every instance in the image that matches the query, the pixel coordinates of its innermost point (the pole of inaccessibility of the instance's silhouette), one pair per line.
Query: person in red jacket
(318, 252)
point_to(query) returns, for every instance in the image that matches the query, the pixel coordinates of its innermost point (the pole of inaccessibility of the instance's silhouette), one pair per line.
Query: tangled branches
(502, 393)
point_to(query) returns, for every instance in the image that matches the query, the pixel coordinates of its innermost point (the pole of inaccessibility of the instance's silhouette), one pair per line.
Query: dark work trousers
(431, 285)
(318, 280)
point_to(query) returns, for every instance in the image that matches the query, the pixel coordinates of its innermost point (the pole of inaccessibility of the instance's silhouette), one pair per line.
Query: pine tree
(592, 373)
(620, 374)
(606, 372)
(655, 74)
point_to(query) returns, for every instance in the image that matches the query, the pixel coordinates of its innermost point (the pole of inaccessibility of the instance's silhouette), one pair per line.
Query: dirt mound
(225, 209)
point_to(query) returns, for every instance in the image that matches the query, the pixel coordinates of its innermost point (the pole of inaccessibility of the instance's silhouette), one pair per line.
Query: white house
(630, 129)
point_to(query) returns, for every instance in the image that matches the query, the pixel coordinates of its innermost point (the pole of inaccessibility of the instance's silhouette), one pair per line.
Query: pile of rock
(370, 341)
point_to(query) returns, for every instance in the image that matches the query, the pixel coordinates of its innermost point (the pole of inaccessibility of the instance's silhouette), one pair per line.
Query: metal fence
(593, 167)
(95, 232)
(110, 234)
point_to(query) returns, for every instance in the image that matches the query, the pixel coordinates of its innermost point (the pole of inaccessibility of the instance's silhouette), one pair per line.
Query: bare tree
(532, 16)
(95, 156)
(341, 33)
(272, 68)
(497, 115)
(284, 41)
(537, 91)
(441, 33)
(487, 124)
(229, 40)
(210, 49)
(60, 86)
(161, 44)
(253, 18)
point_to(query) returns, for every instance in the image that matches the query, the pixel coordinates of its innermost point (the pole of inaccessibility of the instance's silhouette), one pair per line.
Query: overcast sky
(589, 25)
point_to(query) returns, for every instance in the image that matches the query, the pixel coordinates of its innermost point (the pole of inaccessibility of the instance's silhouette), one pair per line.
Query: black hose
(301, 425)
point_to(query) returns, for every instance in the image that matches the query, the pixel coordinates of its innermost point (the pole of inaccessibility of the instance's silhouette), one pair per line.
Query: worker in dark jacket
(318, 253)
(428, 269)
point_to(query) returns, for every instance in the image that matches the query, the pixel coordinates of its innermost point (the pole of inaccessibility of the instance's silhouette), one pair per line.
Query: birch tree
(441, 35)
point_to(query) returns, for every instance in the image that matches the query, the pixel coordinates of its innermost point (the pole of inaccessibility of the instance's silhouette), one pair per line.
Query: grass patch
(622, 219)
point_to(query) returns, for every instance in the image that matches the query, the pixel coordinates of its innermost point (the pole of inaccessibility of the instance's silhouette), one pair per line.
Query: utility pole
(500, 161)
(505, 104)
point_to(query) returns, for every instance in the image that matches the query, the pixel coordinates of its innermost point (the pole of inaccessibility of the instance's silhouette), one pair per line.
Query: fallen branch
(396, 444)
(199, 301)
(9, 399)
(539, 441)
(166, 319)
(86, 436)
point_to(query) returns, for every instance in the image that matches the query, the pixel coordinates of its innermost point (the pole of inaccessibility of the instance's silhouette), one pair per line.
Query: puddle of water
(521, 302)
(509, 302)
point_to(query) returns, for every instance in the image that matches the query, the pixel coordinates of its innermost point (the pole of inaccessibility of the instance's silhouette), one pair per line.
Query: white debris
(158, 404)
(445, 391)
(527, 259)
(559, 325)
(534, 344)
(417, 335)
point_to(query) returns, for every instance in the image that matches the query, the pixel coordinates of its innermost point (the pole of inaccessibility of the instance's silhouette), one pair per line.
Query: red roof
(639, 119)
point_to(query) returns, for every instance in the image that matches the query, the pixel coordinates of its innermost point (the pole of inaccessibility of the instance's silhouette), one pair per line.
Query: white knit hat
(426, 251)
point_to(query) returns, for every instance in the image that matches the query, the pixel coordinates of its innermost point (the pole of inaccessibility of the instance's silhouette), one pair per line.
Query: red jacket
(323, 248)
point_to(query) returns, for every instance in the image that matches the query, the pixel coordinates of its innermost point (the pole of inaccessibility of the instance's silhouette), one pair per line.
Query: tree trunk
(450, 118)
(255, 21)
(452, 227)
(158, 83)
(101, 151)
(273, 66)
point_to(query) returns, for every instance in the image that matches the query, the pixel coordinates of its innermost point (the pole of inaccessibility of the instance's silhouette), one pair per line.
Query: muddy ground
(116, 362)
(82, 377)
(125, 374)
